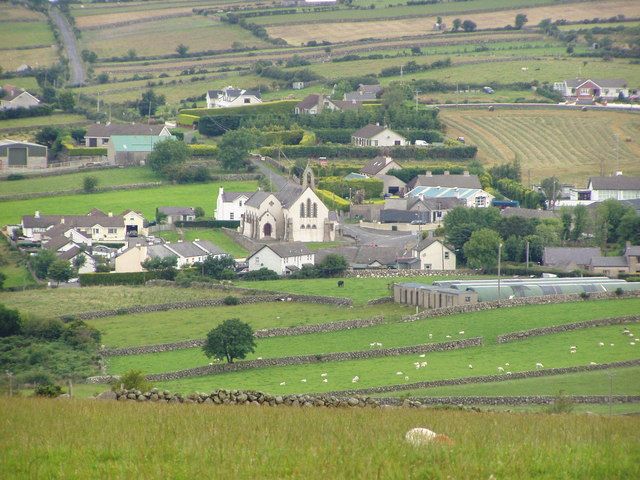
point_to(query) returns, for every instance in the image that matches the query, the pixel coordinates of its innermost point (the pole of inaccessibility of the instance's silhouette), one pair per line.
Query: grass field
(145, 200)
(178, 441)
(177, 325)
(214, 235)
(62, 301)
(487, 324)
(16, 273)
(550, 148)
(35, 123)
(73, 181)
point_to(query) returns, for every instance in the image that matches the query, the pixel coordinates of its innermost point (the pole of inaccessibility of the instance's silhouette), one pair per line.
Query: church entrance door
(266, 229)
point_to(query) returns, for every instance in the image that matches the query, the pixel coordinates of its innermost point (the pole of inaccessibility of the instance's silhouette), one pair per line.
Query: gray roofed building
(186, 249)
(404, 216)
(608, 262)
(231, 196)
(604, 83)
(364, 93)
(308, 102)
(70, 253)
(369, 131)
(107, 130)
(569, 257)
(286, 250)
(289, 194)
(159, 251)
(365, 256)
(256, 199)
(379, 165)
(177, 210)
(55, 243)
(446, 181)
(614, 182)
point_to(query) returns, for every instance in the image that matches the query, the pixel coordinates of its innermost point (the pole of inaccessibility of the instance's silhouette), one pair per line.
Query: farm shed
(22, 155)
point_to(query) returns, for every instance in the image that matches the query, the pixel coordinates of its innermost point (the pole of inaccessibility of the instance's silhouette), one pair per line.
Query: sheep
(406, 378)
(509, 373)
(592, 363)
(500, 369)
(304, 380)
(632, 343)
(323, 374)
(573, 347)
(378, 344)
(470, 366)
(417, 364)
(419, 437)
(613, 344)
(423, 355)
(601, 344)
(448, 336)
(431, 335)
(423, 364)
(572, 351)
(506, 364)
(461, 332)
(282, 384)
(355, 379)
(371, 345)
(539, 365)
(399, 373)
(325, 380)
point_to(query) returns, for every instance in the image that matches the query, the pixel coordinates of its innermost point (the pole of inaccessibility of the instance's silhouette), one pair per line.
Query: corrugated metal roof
(135, 143)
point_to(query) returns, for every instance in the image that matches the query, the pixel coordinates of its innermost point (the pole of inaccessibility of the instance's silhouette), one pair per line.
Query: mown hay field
(339, 31)
(89, 439)
(568, 144)
(39, 122)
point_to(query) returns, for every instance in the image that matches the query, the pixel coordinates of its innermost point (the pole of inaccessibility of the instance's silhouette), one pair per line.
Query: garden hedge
(464, 152)
(198, 150)
(129, 278)
(372, 186)
(332, 200)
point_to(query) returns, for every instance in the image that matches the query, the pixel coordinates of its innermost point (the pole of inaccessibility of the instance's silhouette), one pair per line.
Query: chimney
(446, 172)
(428, 173)
(465, 173)
(37, 214)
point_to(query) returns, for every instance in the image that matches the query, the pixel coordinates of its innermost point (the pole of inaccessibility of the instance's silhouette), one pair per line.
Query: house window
(96, 231)
(446, 255)
(247, 100)
(397, 142)
(467, 299)
(313, 227)
(112, 231)
(584, 91)
(240, 203)
(231, 216)
(302, 227)
(308, 207)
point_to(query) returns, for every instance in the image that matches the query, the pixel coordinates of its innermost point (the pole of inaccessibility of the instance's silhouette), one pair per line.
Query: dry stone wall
(375, 273)
(508, 401)
(535, 332)
(489, 378)
(264, 333)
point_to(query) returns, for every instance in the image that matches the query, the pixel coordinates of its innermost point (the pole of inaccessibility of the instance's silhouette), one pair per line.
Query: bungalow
(317, 103)
(178, 214)
(589, 89)
(282, 258)
(232, 97)
(473, 197)
(418, 209)
(128, 150)
(17, 98)
(380, 166)
(22, 155)
(98, 135)
(377, 136)
(445, 180)
(231, 205)
(364, 93)
(618, 187)
(569, 258)
(366, 256)
(186, 253)
(434, 255)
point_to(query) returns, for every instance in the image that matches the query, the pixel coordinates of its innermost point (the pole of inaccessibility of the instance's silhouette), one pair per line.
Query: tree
(102, 78)
(41, 261)
(199, 212)
(580, 222)
(514, 248)
(3, 277)
(10, 323)
(609, 215)
(168, 153)
(79, 261)
(516, 226)
(233, 149)
(47, 136)
(546, 25)
(456, 24)
(66, 101)
(89, 56)
(629, 228)
(552, 188)
(481, 250)
(165, 266)
(232, 339)
(521, 19)
(78, 134)
(567, 220)
(89, 184)
(469, 25)
(131, 54)
(60, 271)
(512, 171)
(332, 265)
(182, 50)
(222, 268)
(150, 102)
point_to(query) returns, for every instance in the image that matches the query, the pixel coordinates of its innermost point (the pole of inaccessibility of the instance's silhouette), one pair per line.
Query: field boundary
(510, 401)
(489, 378)
(537, 332)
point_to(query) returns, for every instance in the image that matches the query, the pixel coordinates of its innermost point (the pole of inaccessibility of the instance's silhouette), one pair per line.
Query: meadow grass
(72, 181)
(25, 34)
(551, 350)
(144, 200)
(626, 381)
(66, 301)
(89, 439)
(214, 235)
(16, 273)
(506, 134)
(177, 325)
(40, 56)
(488, 324)
(37, 122)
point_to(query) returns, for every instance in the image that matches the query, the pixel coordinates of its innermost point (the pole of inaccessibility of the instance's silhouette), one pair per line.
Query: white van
(421, 143)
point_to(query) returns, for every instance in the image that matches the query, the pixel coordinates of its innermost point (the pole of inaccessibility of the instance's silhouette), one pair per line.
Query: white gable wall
(307, 228)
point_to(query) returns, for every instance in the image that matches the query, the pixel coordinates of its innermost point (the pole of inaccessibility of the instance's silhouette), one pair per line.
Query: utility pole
(617, 152)
(417, 92)
(149, 116)
(499, 265)
(527, 255)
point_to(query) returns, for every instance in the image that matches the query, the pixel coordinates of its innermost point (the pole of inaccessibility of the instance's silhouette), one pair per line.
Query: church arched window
(308, 207)
(302, 210)
(315, 210)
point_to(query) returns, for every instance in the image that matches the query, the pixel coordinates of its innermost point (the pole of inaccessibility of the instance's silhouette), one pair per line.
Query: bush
(48, 390)
(129, 278)
(562, 403)
(46, 329)
(10, 323)
(619, 292)
(84, 151)
(231, 300)
(16, 176)
(279, 107)
(333, 201)
(198, 150)
(89, 184)
(133, 380)
(262, 274)
(372, 187)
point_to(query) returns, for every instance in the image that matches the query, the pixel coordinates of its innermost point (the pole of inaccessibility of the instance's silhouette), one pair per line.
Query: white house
(232, 97)
(294, 214)
(377, 136)
(618, 187)
(282, 258)
(98, 134)
(317, 103)
(434, 255)
(186, 253)
(590, 89)
(17, 98)
(178, 214)
(230, 205)
(473, 197)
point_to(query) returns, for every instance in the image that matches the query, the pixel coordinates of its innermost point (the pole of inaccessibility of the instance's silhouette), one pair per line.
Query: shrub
(231, 300)
(10, 323)
(89, 184)
(16, 176)
(129, 278)
(562, 403)
(133, 380)
(48, 390)
(372, 186)
(262, 274)
(198, 150)
(584, 295)
(619, 292)
(47, 329)
(332, 200)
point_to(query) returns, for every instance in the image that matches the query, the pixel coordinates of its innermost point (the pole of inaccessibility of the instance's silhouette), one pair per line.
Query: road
(278, 181)
(70, 45)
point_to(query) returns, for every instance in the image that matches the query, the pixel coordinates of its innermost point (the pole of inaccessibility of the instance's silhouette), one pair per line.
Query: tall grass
(88, 439)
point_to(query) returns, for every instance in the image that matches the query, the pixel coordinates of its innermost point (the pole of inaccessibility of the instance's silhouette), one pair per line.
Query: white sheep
(325, 380)
(371, 345)
(601, 344)
(572, 347)
(399, 373)
(420, 436)
(210, 364)
(423, 364)
(506, 364)
(613, 344)
(539, 365)
(592, 363)
(508, 373)
(423, 355)
(282, 384)
(406, 379)
(500, 369)
(304, 380)
(323, 374)
(355, 379)
(470, 366)
(461, 332)
(632, 343)
(378, 344)
(431, 335)
(448, 336)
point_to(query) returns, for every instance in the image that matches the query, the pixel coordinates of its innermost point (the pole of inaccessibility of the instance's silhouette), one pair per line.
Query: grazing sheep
(431, 335)
(323, 374)
(423, 364)
(539, 365)
(601, 344)
(612, 344)
(419, 437)
(461, 332)
(259, 358)
(509, 373)
(371, 345)
(378, 344)
(500, 369)
(470, 366)
(448, 336)
(210, 364)
(355, 379)
(304, 380)
(325, 380)
(399, 373)
(632, 343)
(573, 347)
(406, 378)
(506, 364)
(592, 363)
(423, 355)
(282, 384)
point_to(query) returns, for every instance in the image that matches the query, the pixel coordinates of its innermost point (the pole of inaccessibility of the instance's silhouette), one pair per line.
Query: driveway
(70, 45)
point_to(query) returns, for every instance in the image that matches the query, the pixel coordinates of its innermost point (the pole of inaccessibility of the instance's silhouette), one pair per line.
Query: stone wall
(393, 273)
(489, 378)
(76, 191)
(535, 332)
(514, 302)
(214, 302)
(508, 401)
(264, 333)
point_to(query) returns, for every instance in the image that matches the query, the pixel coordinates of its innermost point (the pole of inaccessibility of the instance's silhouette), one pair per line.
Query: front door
(266, 230)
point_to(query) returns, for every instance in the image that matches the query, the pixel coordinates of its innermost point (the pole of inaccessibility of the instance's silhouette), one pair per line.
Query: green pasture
(38, 56)
(73, 181)
(26, 34)
(39, 122)
(487, 324)
(214, 235)
(28, 83)
(550, 350)
(16, 273)
(53, 302)
(178, 325)
(144, 200)
(89, 439)
(625, 381)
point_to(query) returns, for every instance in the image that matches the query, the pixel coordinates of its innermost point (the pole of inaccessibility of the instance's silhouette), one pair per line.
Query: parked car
(487, 90)
(421, 143)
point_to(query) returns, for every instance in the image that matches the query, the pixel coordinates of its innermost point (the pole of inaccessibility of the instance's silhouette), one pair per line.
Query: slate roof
(615, 182)
(159, 251)
(101, 130)
(56, 242)
(20, 142)
(69, 254)
(231, 196)
(604, 83)
(14, 93)
(285, 250)
(425, 242)
(460, 181)
(347, 104)
(309, 101)
(565, 255)
(608, 262)
(177, 210)
(186, 249)
(256, 199)
(632, 250)
(289, 194)
(364, 93)
(376, 164)
(527, 213)
(44, 221)
(403, 216)
(369, 131)
(210, 248)
(364, 255)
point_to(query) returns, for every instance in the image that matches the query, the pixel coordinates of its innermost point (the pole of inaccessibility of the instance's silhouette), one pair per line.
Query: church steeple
(308, 178)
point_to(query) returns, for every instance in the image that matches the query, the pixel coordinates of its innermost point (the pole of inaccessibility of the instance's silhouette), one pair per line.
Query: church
(294, 214)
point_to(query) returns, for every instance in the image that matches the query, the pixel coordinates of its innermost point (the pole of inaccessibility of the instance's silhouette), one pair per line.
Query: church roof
(257, 198)
(289, 194)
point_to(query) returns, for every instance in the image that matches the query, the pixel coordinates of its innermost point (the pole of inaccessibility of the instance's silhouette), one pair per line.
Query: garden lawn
(67, 301)
(72, 181)
(178, 325)
(144, 200)
(214, 235)
(487, 324)
(626, 381)
(88, 439)
(551, 350)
